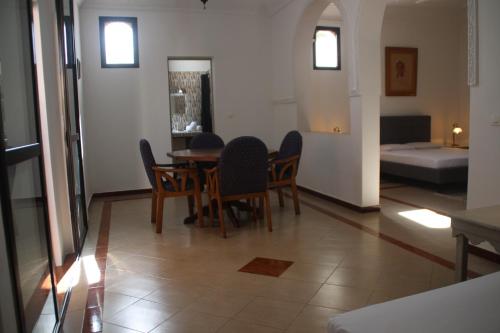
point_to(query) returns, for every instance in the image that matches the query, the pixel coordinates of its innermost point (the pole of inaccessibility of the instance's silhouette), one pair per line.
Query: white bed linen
(428, 158)
(467, 307)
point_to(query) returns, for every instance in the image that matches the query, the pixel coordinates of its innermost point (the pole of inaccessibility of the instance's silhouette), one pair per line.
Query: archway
(322, 94)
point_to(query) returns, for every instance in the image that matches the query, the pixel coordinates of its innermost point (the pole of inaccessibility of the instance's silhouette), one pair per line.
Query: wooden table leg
(461, 260)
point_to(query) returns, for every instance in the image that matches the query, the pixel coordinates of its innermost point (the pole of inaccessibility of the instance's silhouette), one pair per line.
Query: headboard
(404, 129)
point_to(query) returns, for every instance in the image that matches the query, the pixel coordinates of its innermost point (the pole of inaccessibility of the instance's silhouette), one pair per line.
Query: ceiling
(270, 6)
(331, 13)
(229, 5)
(430, 3)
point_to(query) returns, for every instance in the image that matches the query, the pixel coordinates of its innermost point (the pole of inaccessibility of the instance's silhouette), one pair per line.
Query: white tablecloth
(472, 306)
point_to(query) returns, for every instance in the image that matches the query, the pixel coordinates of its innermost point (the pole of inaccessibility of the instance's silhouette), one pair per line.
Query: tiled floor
(187, 279)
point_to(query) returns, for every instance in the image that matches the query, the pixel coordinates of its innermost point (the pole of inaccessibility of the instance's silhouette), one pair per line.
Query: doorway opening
(424, 109)
(191, 100)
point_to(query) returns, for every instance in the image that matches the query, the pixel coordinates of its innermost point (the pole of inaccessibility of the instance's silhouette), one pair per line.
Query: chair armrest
(210, 171)
(285, 164)
(272, 154)
(285, 160)
(212, 180)
(177, 177)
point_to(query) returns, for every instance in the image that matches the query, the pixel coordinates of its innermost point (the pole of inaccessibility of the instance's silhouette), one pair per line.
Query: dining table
(196, 155)
(193, 156)
(203, 155)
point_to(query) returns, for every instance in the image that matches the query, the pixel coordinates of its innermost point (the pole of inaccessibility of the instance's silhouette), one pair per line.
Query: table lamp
(456, 131)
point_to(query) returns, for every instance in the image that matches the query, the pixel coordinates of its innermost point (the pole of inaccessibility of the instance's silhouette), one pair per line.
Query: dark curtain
(206, 113)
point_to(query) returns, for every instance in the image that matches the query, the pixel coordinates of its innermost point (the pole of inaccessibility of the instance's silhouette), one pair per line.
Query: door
(73, 137)
(25, 233)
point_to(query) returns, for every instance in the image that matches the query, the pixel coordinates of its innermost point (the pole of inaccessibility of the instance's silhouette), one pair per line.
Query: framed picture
(401, 71)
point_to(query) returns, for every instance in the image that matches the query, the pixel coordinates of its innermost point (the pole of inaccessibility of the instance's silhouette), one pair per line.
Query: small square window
(326, 48)
(119, 45)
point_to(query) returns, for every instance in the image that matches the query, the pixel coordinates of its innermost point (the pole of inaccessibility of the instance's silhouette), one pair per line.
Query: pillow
(393, 147)
(424, 145)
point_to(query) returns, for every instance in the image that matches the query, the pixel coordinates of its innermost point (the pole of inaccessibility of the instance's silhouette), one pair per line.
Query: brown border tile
(92, 321)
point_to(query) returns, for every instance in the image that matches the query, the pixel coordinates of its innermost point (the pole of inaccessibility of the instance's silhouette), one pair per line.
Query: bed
(427, 162)
(470, 306)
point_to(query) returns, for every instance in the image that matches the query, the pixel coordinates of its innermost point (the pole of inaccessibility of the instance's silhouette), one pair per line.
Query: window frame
(336, 30)
(131, 20)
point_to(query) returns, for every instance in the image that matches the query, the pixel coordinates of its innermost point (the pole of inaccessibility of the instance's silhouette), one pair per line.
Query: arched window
(119, 46)
(326, 48)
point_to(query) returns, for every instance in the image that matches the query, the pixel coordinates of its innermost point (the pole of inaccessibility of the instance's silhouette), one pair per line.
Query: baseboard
(485, 254)
(349, 205)
(120, 193)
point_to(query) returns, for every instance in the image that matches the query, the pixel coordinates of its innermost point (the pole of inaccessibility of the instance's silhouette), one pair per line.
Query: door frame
(69, 137)
(16, 156)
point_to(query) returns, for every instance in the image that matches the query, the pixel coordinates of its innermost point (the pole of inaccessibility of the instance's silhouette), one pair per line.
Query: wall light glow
(427, 218)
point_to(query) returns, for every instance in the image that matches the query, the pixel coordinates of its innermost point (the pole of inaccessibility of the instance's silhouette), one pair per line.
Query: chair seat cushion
(170, 188)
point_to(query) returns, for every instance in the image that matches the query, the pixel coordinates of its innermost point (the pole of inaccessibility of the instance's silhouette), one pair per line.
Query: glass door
(23, 200)
(73, 137)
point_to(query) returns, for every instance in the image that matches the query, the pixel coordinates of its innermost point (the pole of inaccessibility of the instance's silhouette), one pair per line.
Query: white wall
(324, 94)
(484, 155)
(124, 105)
(440, 34)
(342, 166)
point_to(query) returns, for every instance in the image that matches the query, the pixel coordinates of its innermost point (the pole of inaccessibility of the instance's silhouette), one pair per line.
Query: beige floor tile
(192, 270)
(400, 284)
(241, 283)
(267, 312)
(342, 298)
(220, 303)
(308, 272)
(178, 297)
(312, 319)
(143, 316)
(135, 286)
(291, 290)
(379, 296)
(114, 303)
(353, 277)
(237, 326)
(191, 322)
(110, 328)
(442, 277)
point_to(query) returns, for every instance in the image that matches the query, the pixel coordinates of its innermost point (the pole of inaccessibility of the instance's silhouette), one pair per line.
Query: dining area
(222, 180)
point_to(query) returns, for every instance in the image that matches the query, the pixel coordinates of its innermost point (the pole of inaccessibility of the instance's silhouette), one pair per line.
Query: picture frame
(401, 71)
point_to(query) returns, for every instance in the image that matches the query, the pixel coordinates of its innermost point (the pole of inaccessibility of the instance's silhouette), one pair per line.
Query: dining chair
(170, 181)
(284, 168)
(240, 174)
(205, 141)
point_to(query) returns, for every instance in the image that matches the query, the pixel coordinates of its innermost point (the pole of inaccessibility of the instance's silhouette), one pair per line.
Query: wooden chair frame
(213, 190)
(171, 176)
(279, 180)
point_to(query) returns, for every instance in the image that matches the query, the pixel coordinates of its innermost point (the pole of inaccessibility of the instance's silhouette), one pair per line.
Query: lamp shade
(456, 129)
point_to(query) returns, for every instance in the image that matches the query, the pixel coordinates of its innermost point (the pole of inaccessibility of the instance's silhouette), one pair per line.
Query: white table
(475, 226)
